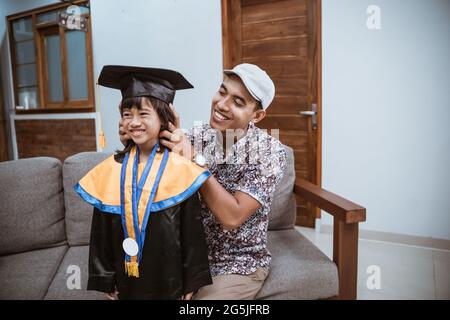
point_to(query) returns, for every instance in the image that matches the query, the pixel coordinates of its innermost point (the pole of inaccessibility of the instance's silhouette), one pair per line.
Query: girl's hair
(161, 108)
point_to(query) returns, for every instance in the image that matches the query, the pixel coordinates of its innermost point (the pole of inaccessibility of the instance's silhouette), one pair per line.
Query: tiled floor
(406, 272)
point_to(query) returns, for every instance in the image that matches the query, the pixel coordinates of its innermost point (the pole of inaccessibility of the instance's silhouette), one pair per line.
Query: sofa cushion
(32, 205)
(299, 270)
(28, 275)
(283, 208)
(65, 285)
(78, 212)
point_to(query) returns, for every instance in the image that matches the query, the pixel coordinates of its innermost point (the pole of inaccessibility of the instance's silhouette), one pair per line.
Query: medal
(130, 247)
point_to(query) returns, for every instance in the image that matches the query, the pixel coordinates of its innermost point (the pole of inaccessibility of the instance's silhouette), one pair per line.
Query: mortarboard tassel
(132, 269)
(101, 139)
(101, 135)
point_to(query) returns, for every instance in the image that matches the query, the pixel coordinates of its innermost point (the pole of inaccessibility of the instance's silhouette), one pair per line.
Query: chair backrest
(283, 209)
(32, 205)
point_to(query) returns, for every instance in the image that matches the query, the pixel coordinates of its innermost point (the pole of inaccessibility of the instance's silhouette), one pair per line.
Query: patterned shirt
(254, 165)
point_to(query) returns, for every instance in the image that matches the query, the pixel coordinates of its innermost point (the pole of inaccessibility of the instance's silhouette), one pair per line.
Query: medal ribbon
(136, 201)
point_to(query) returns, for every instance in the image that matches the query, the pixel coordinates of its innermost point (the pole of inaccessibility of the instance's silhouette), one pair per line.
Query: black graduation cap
(143, 82)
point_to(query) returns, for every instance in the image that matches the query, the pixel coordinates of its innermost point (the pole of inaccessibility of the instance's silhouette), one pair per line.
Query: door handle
(311, 113)
(308, 113)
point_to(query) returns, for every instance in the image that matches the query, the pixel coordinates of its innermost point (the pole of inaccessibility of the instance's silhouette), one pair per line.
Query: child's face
(143, 126)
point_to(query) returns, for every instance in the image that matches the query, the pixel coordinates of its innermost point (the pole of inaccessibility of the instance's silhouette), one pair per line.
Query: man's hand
(175, 139)
(124, 137)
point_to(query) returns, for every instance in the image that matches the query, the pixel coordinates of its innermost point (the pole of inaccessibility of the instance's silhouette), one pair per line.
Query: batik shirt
(254, 165)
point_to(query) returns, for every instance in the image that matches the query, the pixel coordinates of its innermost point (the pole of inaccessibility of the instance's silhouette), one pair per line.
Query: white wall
(184, 35)
(386, 113)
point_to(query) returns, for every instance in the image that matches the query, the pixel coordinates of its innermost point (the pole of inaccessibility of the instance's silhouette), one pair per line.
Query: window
(52, 65)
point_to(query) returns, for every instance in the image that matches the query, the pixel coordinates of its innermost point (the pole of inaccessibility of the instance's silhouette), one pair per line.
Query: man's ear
(258, 115)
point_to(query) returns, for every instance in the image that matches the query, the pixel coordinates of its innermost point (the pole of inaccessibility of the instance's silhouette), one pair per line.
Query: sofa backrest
(283, 208)
(32, 205)
(78, 212)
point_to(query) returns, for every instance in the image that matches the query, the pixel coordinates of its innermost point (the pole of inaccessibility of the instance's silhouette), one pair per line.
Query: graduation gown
(174, 256)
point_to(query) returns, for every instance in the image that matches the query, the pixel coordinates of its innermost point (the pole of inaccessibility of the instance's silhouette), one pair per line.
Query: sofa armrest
(340, 208)
(346, 216)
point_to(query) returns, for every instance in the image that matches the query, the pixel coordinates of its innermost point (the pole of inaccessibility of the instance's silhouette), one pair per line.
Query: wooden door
(283, 38)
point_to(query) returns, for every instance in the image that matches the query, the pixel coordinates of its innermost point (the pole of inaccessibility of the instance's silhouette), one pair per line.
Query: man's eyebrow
(223, 87)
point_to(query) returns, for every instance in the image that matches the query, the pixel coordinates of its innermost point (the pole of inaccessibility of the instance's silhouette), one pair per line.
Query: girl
(147, 239)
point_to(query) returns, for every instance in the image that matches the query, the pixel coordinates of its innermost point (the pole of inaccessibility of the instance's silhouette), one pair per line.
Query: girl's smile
(136, 132)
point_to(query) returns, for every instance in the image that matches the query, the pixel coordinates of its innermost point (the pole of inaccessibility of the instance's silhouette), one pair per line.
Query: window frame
(39, 32)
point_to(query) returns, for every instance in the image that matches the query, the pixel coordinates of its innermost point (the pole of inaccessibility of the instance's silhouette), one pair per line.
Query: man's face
(233, 107)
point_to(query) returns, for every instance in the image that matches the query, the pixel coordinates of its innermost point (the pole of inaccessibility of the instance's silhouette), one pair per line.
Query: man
(235, 200)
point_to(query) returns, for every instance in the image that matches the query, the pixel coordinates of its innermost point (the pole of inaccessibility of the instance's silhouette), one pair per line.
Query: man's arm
(232, 210)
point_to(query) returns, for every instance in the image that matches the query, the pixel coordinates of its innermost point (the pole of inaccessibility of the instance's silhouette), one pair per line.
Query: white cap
(257, 82)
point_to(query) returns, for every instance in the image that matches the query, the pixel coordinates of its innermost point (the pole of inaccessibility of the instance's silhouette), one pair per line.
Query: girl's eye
(126, 114)
(144, 113)
(222, 92)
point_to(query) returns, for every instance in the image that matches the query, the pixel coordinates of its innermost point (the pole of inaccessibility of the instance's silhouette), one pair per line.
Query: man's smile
(219, 116)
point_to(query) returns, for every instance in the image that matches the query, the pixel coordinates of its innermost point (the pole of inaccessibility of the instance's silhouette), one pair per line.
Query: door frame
(231, 23)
